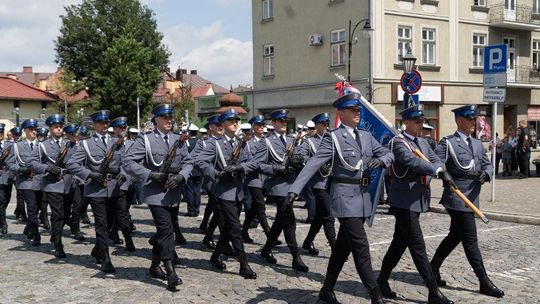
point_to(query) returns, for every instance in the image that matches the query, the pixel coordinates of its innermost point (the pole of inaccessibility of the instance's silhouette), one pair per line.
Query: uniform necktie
(58, 143)
(469, 141)
(166, 139)
(283, 140)
(357, 134)
(103, 140)
(32, 146)
(231, 141)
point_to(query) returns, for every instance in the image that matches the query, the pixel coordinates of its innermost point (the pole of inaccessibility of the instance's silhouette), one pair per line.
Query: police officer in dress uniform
(5, 177)
(28, 184)
(322, 218)
(41, 134)
(254, 183)
(161, 190)
(20, 211)
(102, 189)
(78, 193)
(194, 183)
(270, 155)
(215, 161)
(118, 215)
(408, 196)
(353, 154)
(467, 162)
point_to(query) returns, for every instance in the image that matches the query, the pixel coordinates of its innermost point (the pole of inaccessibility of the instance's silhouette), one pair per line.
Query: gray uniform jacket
(84, 161)
(20, 156)
(457, 157)
(144, 159)
(199, 146)
(409, 186)
(253, 179)
(48, 153)
(270, 151)
(348, 200)
(307, 149)
(130, 181)
(211, 163)
(6, 176)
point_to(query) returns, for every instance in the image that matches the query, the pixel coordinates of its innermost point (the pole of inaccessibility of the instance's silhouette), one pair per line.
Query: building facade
(299, 45)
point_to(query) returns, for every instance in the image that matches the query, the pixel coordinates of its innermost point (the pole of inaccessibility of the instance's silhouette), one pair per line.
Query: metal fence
(522, 14)
(523, 74)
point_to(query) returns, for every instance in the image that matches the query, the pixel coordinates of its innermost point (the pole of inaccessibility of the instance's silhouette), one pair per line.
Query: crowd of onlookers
(514, 150)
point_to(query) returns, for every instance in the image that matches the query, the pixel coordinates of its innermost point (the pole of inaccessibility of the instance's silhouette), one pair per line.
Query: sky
(211, 36)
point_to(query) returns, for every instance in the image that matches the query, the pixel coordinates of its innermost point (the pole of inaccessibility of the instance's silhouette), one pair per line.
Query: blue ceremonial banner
(373, 121)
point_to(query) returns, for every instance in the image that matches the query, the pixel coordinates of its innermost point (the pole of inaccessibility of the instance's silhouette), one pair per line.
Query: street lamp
(408, 62)
(367, 30)
(17, 112)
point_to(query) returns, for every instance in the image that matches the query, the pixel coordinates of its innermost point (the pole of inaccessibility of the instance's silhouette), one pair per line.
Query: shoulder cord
(392, 168)
(331, 164)
(17, 155)
(312, 145)
(42, 146)
(149, 157)
(220, 155)
(272, 151)
(358, 166)
(87, 150)
(450, 150)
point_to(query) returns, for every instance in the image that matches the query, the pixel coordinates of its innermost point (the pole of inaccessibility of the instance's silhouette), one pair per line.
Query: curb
(503, 217)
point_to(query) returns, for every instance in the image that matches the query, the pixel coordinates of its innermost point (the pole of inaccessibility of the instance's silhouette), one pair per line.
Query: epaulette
(448, 136)
(148, 132)
(177, 133)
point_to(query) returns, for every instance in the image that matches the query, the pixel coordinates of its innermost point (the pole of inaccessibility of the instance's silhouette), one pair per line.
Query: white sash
(450, 150)
(406, 143)
(149, 157)
(17, 155)
(89, 156)
(42, 146)
(273, 152)
(220, 155)
(358, 166)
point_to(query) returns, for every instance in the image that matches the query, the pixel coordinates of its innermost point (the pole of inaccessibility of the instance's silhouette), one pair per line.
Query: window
(536, 6)
(268, 60)
(536, 53)
(337, 44)
(479, 42)
(268, 9)
(404, 36)
(479, 2)
(428, 46)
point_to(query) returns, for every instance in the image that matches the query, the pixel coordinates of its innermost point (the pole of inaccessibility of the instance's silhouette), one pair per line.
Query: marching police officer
(27, 182)
(20, 211)
(217, 161)
(322, 218)
(160, 161)
(468, 164)
(409, 195)
(5, 180)
(271, 155)
(97, 162)
(50, 161)
(254, 183)
(83, 134)
(194, 183)
(353, 153)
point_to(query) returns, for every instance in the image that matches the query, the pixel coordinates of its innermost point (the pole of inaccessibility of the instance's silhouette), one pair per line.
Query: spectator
(507, 151)
(523, 150)
(498, 151)
(512, 140)
(534, 141)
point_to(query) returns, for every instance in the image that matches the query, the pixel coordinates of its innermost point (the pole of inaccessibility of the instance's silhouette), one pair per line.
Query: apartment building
(299, 45)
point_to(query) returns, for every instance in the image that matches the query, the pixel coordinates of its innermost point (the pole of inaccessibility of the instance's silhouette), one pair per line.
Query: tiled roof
(27, 78)
(13, 89)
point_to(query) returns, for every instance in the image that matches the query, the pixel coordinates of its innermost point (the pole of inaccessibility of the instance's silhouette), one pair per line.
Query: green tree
(114, 49)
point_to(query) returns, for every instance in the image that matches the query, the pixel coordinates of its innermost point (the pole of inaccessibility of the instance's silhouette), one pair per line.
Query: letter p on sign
(495, 58)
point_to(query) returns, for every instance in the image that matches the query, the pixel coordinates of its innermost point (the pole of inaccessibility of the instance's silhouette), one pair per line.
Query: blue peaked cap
(348, 101)
(229, 114)
(213, 120)
(279, 114)
(465, 111)
(83, 130)
(257, 119)
(70, 129)
(29, 123)
(163, 109)
(119, 122)
(41, 131)
(54, 119)
(2, 127)
(413, 112)
(17, 131)
(323, 117)
(102, 115)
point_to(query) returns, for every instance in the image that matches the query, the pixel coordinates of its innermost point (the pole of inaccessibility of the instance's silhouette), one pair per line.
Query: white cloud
(222, 60)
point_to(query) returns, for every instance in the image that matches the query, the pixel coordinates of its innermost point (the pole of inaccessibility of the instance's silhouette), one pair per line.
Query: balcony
(522, 17)
(522, 76)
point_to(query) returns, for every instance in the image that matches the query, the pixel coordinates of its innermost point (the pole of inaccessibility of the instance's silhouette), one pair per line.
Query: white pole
(138, 115)
(494, 150)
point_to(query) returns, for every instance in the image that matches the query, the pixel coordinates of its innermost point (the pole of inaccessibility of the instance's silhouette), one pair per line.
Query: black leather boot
(266, 253)
(246, 238)
(297, 263)
(375, 295)
(129, 241)
(176, 259)
(385, 289)
(488, 288)
(435, 296)
(172, 278)
(435, 268)
(178, 236)
(44, 217)
(209, 243)
(310, 247)
(96, 254)
(155, 270)
(3, 226)
(106, 264)
(58, 247)
(328, 296)
(36, 238)
(85, 219)
(76, 231)
(216, 261)
(245, 271)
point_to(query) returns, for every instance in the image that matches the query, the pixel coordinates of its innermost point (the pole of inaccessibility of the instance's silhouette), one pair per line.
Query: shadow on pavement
(293, 295)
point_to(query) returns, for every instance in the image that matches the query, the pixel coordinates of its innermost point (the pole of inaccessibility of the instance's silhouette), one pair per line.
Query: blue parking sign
(495, 58)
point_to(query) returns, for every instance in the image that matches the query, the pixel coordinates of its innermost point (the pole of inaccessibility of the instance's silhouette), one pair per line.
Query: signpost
(495, 60)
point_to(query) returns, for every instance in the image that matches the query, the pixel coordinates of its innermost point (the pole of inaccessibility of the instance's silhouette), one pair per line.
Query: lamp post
(408, 66)
(367, 29)
(17, 112)
(80, 114)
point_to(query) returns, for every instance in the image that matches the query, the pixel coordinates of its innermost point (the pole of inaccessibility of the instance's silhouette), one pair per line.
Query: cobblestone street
(33, 275)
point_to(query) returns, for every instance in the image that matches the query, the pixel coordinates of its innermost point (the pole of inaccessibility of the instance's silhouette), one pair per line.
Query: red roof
(13, 89)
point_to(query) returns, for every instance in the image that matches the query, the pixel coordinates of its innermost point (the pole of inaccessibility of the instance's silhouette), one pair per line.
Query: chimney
(184, 71)
(12, 76)
(193, 72)
(27, 69)
(179, 75)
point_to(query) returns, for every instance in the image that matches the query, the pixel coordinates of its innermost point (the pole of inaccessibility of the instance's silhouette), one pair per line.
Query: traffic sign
(494, 95)
(495, 58)
(495, 80)
(410, 100)
(411, 83)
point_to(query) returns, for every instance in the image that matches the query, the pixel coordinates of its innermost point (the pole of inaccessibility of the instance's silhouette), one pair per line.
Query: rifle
(63, 152)
(171, 153)
(108, 158)
(3, 157)
(235, 156)
(288, 160)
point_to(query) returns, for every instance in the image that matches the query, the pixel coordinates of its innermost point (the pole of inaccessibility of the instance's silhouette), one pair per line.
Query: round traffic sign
(411, 83)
